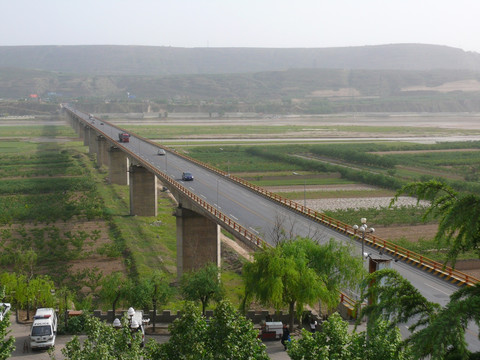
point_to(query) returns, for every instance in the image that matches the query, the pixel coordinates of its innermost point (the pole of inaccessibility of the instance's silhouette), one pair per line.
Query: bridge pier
(143, 191)
(101, 150)
(198, 241)
(118, 164)
(86, 136)
(92, 142)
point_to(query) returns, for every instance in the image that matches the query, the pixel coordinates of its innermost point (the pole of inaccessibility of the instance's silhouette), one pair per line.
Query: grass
(30, 131)
(295, 195)
(176, 131)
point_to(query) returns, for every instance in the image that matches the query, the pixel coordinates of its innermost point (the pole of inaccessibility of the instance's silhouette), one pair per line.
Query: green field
(44, 182)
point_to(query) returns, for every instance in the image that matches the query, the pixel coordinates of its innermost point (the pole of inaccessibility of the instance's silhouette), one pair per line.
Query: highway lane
(261, 215)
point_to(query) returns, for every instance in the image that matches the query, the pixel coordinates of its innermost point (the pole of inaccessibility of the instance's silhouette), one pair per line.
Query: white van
(44, 329)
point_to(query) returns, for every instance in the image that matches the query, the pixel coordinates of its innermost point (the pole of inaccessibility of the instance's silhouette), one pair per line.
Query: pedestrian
(313, 325)
(285, 336)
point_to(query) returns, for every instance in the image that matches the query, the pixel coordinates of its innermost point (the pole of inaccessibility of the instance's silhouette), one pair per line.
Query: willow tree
(436, 332)
(458, 215)
(299, 272)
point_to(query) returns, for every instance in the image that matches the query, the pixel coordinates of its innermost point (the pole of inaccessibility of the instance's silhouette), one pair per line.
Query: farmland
(56, 201)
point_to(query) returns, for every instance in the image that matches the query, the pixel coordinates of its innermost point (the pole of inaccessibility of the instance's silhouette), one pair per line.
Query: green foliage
(334, 341)
(391, 294)
(25, 290)
(7, 345)
(436, 331)
(227, 336)
(202, 285)
(353, 155)
(104, 342)
(299, 272)
(458, 215)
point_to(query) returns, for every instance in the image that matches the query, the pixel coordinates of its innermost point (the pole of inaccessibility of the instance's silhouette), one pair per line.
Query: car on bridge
(187, 176)
(161, 152)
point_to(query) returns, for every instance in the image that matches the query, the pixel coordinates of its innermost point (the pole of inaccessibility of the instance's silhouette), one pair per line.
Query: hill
(150, 60)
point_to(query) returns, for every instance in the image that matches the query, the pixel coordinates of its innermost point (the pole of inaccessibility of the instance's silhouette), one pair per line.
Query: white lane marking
(433, 287)
(253, 229)
(191, 188)
(233, 216)
(203, 196)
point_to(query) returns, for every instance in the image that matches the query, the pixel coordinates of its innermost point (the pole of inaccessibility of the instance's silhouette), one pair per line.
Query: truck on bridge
(124, 137)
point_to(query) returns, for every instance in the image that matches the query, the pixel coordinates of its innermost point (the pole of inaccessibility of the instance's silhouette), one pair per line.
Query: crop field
(323, 172)
(57, 202)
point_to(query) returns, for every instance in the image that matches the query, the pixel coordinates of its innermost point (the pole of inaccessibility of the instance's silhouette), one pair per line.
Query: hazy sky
(241, 23)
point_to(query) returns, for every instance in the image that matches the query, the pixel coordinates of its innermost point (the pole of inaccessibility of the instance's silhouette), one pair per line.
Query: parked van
(44, 329)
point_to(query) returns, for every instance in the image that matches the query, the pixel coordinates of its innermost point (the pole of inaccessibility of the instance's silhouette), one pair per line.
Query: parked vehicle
(271, 330)
(124, 137)
(44, 329)
(4, 309)
(187, 176)
(137, 323)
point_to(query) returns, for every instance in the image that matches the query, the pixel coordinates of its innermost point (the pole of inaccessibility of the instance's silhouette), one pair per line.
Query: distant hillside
(312, 91)
(147, 60)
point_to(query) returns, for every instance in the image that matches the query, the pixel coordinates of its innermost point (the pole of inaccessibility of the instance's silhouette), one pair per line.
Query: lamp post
(304, 189)
(363, 229)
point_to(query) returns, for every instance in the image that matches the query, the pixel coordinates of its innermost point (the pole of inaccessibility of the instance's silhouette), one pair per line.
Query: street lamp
(304, 189)
(363, 229)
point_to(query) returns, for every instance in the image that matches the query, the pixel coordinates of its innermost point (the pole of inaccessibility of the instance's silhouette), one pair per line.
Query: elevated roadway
(259, 214)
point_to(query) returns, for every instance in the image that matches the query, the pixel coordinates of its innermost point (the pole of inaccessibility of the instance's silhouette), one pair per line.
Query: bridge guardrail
(402, 253)
(393, 249)
(254, 239)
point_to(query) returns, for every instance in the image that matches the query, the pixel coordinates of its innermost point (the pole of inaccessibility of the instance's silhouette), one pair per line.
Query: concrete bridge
(137, 163)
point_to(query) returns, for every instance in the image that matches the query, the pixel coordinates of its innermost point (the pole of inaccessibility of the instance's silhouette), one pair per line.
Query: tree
(113, 286)
(299, 272)
(436, 332)
(228, 335)
(202, 285)
(7, 346)
(188, 337)
(104, 342)
(458, 215)
(380, 342)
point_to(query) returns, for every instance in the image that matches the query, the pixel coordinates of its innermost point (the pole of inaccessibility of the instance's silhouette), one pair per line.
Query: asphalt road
(261, 215)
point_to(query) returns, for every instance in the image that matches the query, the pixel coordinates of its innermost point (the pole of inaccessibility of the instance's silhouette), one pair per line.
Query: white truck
(4, 309)
(44, 329)
(137, 323)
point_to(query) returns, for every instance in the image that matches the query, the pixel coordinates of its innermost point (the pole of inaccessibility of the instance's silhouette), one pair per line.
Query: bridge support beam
(198, 241)
(143, 191)
(118, 164)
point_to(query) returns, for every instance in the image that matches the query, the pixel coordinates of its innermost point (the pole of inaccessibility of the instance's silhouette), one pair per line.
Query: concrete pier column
(198, 241)
(92, 142)
(86, 136)
(143, 192)
(101, 150)
(81, 131)
(118, 164)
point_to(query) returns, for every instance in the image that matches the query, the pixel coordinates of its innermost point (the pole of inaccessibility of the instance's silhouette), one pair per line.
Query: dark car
(186, 176)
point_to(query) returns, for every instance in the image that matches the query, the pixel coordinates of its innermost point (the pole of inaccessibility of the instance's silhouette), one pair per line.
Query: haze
(241, 23)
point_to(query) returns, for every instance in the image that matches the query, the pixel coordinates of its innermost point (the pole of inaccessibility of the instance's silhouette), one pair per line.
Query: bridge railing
(372, 240)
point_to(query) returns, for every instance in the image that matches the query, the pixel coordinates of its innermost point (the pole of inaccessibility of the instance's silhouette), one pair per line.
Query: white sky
(241, 23)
